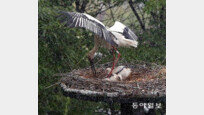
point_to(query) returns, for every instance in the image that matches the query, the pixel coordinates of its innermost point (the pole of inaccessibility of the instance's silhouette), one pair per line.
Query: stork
(116, 36)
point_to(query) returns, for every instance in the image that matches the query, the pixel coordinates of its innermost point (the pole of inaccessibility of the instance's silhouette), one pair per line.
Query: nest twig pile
(145, 81)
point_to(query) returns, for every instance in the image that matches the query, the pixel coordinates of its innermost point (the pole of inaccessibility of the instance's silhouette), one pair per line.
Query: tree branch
(136, 14)
(106, 9)
(81, 7)
(111, 12)
(77, 5)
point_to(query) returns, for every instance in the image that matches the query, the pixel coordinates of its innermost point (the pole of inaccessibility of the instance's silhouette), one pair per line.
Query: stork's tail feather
(134, 44)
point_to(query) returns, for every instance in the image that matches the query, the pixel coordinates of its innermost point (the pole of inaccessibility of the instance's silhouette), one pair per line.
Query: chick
(119, 74)
(123, 75)
(116, 70)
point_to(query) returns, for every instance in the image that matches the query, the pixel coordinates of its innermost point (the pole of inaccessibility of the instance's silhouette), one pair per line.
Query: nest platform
(146, 82)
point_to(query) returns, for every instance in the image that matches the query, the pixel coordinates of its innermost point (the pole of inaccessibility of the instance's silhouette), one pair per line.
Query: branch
(89, 92)
(83, 6)
(111, 12)
(99, 12)
(136, 14)
(77, 5)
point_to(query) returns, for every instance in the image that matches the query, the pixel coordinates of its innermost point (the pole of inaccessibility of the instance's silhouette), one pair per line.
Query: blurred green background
(61, 49)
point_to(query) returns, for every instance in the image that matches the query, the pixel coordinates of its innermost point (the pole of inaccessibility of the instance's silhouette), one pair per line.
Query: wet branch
(136, 14)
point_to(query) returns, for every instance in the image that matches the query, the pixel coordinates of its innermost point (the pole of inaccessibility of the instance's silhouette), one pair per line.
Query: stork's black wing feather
(74, 19)
(124, 30)
(129, 34)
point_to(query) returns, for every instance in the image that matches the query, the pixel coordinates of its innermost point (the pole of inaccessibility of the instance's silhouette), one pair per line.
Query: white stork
(110, 38)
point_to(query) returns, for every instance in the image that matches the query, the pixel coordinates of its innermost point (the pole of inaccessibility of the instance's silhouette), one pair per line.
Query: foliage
(62, 49)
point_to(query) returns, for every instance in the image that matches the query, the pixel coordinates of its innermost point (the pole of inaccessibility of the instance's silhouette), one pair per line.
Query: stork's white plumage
(125, 37)
(119, 74)
(115, 36)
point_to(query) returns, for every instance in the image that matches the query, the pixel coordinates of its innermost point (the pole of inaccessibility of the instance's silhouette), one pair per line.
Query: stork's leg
(114, 63)
(91, 57)
(92, 52)
(118, 55)
(92, 66)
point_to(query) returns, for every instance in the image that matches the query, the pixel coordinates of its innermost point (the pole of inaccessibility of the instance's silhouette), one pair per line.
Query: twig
(53, 85)
(81, 59)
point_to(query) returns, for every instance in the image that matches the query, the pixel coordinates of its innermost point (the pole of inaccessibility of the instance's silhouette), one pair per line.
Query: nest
(145, 81)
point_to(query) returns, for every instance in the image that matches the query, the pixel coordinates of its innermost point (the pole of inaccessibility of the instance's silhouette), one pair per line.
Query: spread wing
(124, 30)
(83, 20)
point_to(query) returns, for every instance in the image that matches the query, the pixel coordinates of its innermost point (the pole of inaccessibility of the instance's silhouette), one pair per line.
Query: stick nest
(145, 81)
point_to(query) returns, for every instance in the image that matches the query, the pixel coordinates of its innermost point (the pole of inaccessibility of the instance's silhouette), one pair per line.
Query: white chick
(119, 68)
(119, 74)
(114, 77)
(124, 73)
